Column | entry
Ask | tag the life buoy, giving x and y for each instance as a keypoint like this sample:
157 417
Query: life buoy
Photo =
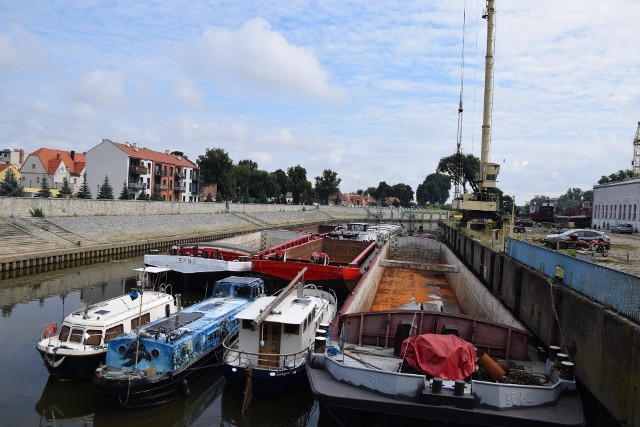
50 330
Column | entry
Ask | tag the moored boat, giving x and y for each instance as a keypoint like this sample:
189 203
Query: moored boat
365 374
363 377
268 353
158 362
213 257
80 345
335 264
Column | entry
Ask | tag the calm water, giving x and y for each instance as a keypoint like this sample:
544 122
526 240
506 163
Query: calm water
28 397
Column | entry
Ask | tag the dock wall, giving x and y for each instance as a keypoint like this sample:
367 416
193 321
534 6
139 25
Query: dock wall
604 345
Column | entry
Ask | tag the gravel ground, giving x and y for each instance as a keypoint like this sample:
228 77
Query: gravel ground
623 256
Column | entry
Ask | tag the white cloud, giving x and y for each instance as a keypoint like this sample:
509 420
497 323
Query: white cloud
188 93
259 56
100 88
21 50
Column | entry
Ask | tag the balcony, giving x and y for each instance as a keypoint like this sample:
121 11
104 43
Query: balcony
161 187
137 170
135 186
180 188
180 175
160 172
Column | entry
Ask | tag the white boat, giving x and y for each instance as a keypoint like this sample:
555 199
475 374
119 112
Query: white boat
76 349
274 336
203 258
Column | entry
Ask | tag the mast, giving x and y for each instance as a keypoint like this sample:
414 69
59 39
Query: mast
488 171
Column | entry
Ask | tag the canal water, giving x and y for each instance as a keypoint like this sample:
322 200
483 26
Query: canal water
29 397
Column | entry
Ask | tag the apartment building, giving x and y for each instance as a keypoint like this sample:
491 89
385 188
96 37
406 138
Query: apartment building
175 177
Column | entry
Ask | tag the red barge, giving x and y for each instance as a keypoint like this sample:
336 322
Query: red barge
337 264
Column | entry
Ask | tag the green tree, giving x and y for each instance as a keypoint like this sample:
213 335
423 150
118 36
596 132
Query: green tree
434 189
156 196
65 190
282 179
216 167
10 186
143 194
44 191
106 191
449 166
404 193
84 192
125 194
327 184
299 185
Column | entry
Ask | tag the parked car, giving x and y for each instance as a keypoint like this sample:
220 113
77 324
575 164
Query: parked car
570 238
623 229
525 223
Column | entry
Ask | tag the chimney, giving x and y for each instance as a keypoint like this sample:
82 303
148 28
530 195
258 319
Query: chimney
73 155
58 156
166 151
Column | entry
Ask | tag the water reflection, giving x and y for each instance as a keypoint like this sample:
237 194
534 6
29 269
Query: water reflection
268 410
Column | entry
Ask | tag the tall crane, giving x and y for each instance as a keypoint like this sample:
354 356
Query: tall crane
481 206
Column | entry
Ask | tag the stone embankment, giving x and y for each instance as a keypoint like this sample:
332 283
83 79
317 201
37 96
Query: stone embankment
74 229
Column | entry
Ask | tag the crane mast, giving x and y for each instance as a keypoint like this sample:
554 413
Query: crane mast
482 205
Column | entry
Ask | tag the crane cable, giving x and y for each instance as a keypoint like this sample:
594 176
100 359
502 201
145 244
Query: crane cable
459 175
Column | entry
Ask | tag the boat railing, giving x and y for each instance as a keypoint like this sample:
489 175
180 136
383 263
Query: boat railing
267 361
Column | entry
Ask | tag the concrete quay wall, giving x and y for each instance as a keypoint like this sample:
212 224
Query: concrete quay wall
604 346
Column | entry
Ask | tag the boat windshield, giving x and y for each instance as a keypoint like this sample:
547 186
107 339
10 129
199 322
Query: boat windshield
222 290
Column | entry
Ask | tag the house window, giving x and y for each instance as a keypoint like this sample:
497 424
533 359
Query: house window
33 166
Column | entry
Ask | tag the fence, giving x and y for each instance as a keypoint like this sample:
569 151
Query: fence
615 289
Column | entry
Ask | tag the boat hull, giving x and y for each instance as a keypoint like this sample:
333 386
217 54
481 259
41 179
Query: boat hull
350 405
71 367
143 391
266 381
190 264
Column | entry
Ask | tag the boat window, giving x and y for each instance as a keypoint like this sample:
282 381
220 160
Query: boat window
113 332
76 335
306 322
93 337
221 290
246 324
243 291
146 318
64 333
291 329
216 334
209 338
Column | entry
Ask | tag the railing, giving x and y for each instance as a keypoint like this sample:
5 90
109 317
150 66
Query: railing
179 188
613 288
272 362
180 175
160 172
161 186
135 186
138 170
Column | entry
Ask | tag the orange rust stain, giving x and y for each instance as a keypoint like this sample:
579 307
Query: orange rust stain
401 287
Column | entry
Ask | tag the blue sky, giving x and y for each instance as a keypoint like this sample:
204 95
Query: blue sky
367 89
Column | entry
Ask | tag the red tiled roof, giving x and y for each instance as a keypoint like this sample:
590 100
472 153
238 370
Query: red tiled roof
155 156
4 166
51 160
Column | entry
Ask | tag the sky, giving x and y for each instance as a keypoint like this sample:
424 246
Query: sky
367 89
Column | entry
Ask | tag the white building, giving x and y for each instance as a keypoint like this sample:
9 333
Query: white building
55 165
142 170
616 203
14 156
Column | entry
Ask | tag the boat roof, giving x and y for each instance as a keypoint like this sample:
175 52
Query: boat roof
291 310
152 269
240 280
119 307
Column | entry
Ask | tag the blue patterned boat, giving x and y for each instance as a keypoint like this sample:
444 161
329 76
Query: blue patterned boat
158 362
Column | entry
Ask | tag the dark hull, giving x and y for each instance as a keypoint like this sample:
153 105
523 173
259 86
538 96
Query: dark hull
352 406
72 367
263 383
155 390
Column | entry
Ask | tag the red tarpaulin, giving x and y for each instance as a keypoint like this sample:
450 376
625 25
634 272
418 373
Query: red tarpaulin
444 356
